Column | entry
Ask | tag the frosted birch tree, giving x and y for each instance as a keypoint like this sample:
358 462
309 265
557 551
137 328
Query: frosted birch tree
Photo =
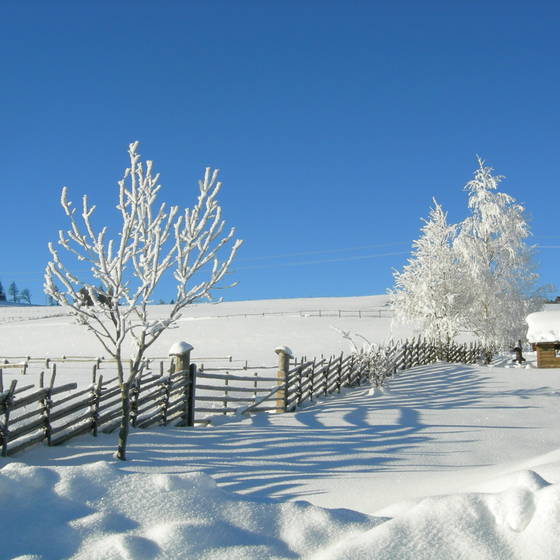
498 267
428 291
154 239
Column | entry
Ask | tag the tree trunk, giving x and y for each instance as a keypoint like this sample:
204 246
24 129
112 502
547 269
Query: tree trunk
125 420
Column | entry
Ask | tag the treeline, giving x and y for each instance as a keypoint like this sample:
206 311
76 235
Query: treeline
14 294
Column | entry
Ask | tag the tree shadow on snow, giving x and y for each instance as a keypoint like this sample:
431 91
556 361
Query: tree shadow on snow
352 433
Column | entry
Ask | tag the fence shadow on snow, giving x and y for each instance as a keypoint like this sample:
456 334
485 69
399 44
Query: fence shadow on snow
186 395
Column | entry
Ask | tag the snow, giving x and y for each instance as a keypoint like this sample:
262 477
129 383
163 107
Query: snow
448 461
179 348
284 350
544 326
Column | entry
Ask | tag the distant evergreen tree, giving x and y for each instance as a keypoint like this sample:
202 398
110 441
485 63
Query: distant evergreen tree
2 293
25 295
13 291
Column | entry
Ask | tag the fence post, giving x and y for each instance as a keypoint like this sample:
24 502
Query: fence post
300 383
96 398
226 392
134 396
339 374
46 404
284 355
180 354
312 381
326 373
4 426
188 414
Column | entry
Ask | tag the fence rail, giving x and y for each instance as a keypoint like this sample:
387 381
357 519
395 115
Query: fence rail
340 313
189 396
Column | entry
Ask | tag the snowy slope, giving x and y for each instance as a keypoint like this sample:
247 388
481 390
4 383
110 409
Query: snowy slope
450 461
220 330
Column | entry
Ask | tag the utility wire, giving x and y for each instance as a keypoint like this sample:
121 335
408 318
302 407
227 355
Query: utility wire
323 252
321 261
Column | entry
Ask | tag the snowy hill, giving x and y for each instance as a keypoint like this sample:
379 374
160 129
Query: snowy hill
245 330
449 461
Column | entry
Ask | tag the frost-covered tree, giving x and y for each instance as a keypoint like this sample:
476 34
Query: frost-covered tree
497 262
428 291
25 296
153 239
2 293
13 291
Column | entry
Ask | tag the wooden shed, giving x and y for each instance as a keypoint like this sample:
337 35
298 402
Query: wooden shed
544 335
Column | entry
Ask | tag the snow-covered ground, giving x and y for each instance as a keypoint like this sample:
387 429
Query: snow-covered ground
213 330
450 461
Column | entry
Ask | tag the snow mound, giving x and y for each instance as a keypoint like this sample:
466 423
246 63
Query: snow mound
98 512
517 523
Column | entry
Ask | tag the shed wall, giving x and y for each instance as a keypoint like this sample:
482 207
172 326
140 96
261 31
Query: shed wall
546 355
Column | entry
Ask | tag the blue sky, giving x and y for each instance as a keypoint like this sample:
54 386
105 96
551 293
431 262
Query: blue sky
333 124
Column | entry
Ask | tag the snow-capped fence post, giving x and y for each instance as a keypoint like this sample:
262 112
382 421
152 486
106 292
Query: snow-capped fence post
284 356
180 354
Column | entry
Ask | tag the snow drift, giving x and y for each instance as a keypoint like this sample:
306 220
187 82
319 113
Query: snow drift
97 512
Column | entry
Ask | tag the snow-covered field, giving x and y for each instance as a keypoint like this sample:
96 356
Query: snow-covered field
450 461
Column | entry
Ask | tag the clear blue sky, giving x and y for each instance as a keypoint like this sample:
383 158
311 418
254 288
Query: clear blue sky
333 123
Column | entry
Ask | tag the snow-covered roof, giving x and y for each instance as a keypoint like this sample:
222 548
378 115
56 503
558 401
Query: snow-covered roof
544 326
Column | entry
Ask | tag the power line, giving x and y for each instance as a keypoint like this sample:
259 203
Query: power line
322 261
324 251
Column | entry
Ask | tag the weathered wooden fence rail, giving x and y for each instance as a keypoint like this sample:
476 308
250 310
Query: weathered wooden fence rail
189 396
310 379
340 313
29 415
24 363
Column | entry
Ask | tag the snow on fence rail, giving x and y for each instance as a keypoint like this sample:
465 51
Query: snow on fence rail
192 395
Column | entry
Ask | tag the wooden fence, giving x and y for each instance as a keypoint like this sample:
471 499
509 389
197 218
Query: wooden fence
189 396
314 378
29 415
26 363
378 313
